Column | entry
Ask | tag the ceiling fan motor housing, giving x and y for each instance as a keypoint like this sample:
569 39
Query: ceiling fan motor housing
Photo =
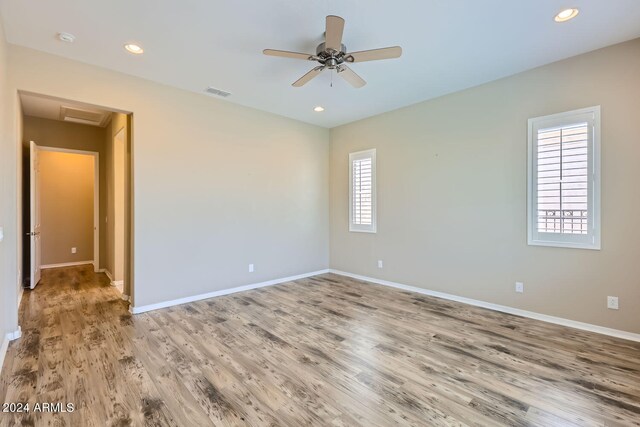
329 57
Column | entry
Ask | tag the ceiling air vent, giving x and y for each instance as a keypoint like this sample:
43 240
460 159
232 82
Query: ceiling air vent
217 92
85 117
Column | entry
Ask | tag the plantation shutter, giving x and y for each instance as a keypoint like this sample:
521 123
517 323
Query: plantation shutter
564 179
362 191
361 183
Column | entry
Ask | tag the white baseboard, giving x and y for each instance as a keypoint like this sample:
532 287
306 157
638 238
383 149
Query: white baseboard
5 344
150 307
66 264
502 308
119 284
15 335
3 349
105 271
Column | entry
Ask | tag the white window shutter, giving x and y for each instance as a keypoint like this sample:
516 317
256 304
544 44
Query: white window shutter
362 191
564 179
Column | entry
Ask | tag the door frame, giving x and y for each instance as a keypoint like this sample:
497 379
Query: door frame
35 243
96 197
119 142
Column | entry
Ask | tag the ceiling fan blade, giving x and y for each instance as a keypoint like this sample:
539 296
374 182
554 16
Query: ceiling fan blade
374 54
350 76
333 34
307 77
287 54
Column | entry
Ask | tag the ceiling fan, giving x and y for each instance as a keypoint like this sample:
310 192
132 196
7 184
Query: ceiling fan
332 54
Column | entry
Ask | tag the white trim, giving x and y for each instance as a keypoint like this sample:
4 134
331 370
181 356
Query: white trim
119 285
359 228
96 197
5 344
66 264
3 350
164 304
67 150
592 240
502 308
11 336
105 271
20 292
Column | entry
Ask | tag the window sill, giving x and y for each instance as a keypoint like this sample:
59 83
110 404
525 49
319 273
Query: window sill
571 245
352 230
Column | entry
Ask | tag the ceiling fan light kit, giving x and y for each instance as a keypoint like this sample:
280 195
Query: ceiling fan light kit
332 55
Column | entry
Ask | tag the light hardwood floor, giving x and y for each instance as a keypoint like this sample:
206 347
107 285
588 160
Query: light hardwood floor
327 350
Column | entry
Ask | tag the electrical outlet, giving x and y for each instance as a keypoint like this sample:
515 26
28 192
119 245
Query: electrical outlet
379 263
74 250
612 303
519 287
250 268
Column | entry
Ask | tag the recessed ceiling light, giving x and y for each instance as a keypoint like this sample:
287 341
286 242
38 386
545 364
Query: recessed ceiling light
134 48
566 15
66 37
318 109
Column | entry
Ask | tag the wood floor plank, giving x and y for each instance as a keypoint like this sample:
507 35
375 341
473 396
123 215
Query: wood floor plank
325 350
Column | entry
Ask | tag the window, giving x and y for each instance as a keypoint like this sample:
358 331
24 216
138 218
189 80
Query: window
362 191
564 180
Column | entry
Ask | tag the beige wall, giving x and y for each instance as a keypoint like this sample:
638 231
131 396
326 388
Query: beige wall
8 215
452 193
66 206
57 134
216 186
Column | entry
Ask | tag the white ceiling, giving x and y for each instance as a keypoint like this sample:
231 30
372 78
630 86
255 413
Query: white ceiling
50 108
448 45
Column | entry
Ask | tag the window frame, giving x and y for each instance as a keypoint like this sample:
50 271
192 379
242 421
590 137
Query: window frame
591 240
360 228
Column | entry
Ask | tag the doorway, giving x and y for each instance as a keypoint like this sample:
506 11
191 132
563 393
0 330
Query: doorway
63 206
74 131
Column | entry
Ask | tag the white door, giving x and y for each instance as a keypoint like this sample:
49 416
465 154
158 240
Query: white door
36 249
